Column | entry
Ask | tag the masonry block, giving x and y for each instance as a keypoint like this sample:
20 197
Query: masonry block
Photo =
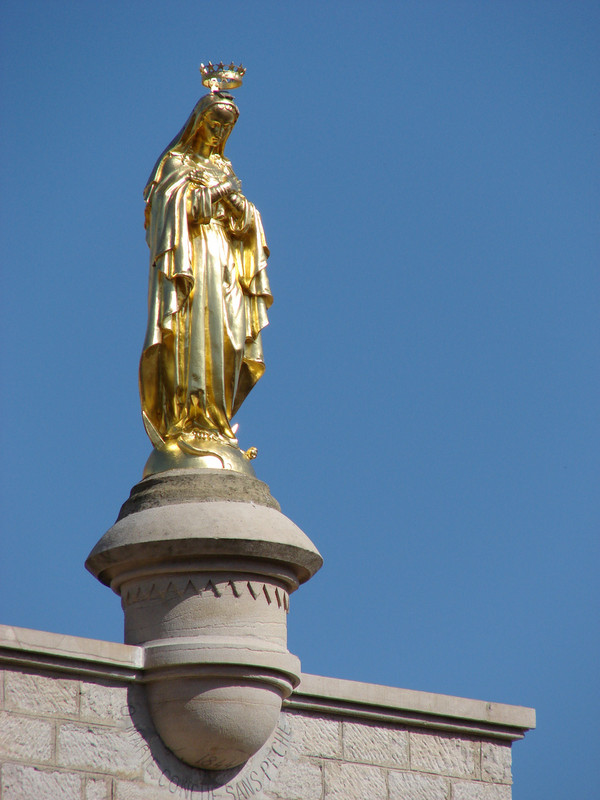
127 790
370 743
412 786
463 790
316 736
354 782
26 738
97 749
30 783
496 762
444 755
44 695
295 780
101 703
98 789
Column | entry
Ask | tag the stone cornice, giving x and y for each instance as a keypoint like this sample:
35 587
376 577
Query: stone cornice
33 649
40 650
344 698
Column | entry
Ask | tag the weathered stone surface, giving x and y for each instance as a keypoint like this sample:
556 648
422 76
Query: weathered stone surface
30 783
100 703
126 790
444 755
412 786
98 789
41 694
354 782
295 780
472 790
25 738
496 762
98 749
1 688
196 486
374 744
316 736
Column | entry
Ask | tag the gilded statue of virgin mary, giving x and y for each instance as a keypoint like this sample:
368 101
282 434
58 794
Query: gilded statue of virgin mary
208 295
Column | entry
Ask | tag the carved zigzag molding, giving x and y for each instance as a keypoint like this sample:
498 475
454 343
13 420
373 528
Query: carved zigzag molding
189 587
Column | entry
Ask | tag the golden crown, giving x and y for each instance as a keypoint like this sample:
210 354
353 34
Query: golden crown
220 76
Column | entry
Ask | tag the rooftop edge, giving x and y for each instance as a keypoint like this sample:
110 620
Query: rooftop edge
32 649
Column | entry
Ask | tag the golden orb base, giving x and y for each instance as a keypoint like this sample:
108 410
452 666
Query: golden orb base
203 454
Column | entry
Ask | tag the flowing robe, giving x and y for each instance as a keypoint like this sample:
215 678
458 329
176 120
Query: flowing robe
207 303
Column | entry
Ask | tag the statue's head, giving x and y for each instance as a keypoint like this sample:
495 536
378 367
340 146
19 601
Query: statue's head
211 121
213 117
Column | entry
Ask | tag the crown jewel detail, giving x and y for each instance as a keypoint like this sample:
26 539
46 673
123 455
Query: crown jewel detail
221 76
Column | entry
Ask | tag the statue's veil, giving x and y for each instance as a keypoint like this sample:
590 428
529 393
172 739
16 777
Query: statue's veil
186 133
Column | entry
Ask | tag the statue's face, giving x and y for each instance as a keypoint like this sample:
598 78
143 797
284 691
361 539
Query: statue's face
215 125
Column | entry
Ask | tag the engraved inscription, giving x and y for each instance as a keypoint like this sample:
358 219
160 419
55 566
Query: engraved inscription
187 783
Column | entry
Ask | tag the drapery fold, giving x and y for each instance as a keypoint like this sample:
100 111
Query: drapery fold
208 300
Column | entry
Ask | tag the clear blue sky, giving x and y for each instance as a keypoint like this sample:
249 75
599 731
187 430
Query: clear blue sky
427 173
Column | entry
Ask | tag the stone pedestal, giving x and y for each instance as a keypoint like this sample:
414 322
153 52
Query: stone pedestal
204 562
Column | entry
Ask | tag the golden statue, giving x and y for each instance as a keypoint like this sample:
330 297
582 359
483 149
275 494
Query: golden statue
208 291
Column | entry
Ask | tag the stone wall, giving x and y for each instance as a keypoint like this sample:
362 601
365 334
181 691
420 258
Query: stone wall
74 726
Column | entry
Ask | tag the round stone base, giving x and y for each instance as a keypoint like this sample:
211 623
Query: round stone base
219 719
204 563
